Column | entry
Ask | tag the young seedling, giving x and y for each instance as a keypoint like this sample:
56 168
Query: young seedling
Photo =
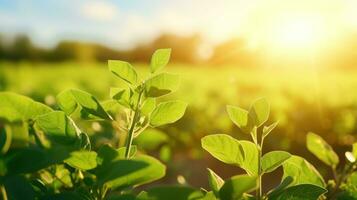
58 156
248 156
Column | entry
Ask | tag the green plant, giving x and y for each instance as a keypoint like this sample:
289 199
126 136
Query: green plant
46 155
344 183
300 179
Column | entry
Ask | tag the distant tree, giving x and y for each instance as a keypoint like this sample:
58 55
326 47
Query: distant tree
233 51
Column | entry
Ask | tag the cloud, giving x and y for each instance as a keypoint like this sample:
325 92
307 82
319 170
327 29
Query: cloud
99 10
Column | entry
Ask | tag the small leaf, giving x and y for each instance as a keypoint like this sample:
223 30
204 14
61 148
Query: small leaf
123 70
235 187
167 113
321 149
121 95
273 160
241 118
161 84
268 129
215 182
171 193
159 59
300 192
302 172
259 111
69 100
83 160
224 148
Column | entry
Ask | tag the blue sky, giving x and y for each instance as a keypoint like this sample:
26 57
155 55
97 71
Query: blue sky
124 23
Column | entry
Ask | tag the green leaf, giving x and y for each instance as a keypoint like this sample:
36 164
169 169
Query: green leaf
121 95
250 163
268 129
5 140
159 59
259 111
57 127
354 150
224 148
215 182
15 108
235 187
148 106
300 192
171 193
321 149
83 160
123 70
134 172
167 113
302 172
150 139
161 84
69 100
241 118
273 160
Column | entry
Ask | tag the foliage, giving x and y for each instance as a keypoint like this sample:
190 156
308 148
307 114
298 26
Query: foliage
46 155
300 179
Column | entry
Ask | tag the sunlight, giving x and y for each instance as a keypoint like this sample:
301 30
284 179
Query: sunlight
296 33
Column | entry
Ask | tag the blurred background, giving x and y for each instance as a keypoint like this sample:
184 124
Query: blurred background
301 55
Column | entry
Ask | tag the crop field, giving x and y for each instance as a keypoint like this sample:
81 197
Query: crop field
178 100
300 101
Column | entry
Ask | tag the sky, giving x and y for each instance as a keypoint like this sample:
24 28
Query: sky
125 23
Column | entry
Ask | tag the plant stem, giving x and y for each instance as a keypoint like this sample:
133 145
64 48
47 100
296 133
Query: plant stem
259 179
130 137
3 193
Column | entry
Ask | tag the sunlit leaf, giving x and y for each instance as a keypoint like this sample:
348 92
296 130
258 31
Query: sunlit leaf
159 59
321 149
274 159
302 172
259 111
162 84
14 107
83 160
123 70
241 118
268 129
69 100
224 148
215 182
167 113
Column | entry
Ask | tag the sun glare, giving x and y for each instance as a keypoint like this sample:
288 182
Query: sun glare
296 33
